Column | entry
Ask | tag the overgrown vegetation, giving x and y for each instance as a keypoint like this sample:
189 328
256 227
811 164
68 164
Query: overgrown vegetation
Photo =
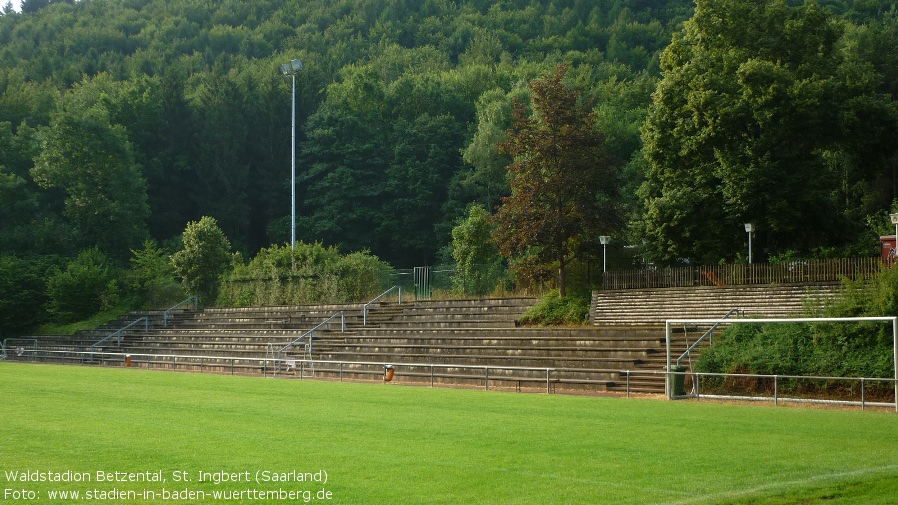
819 349
310 273
121 122
555 310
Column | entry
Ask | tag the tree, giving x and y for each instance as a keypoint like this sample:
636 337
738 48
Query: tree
478 264
562 179
91 159
152 277
206 255
752 122
83 288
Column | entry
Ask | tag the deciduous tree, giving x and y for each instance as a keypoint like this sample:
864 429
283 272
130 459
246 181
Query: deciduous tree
562 179
205 256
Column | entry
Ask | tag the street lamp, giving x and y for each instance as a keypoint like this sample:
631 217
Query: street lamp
291 69
749 228
604 240
894 218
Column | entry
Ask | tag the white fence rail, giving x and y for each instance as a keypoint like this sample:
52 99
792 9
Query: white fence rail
860 391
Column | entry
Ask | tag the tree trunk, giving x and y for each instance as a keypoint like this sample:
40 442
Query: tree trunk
562 286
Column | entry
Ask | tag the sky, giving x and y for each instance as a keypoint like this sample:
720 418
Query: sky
16 4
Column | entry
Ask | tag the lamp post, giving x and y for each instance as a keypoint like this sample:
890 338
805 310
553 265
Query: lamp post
894 218
749 228
291 69
604 240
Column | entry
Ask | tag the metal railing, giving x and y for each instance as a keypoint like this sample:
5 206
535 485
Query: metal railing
773 391
385 293
118 333
167 313
707 334
310 334
547 379
812 271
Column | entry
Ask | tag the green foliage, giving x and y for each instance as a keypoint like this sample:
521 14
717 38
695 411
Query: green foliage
23 296
151 278
205 256
760 118
92 322
832 349
386 102
91 159
478 266
309 273
84 287
563 182
555 310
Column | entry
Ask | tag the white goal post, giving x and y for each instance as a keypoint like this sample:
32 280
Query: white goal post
670 322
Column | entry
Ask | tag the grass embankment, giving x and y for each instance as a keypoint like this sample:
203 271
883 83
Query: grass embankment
387 444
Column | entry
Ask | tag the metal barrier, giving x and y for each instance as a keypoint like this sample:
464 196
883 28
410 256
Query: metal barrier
385 293
17 350
118 333
707 334
774 391
310 333
545 379
167 313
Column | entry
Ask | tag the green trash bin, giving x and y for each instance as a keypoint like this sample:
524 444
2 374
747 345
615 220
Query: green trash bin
678 381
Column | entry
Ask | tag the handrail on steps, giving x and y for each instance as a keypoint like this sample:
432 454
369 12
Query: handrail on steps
309 333
118 333
707 334
385 293
196 305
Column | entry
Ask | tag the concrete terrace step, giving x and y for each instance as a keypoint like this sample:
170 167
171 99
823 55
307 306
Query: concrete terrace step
641 306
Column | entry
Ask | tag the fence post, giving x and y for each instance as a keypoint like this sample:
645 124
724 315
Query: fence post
862 394
775 390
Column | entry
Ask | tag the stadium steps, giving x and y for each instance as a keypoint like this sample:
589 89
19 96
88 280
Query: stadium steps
655 306
627 334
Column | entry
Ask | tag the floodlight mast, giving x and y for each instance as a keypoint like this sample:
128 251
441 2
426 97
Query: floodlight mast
291 69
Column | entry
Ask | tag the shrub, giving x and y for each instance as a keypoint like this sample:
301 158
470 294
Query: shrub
81 289
553 310
309 273
830 349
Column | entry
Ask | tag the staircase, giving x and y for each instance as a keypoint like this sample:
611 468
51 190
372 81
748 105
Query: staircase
623 350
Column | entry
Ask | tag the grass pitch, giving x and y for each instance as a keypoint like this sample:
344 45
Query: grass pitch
387 444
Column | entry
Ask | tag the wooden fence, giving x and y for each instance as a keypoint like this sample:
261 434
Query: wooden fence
815 271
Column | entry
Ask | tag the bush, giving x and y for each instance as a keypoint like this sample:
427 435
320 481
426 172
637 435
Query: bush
830 349
23 296
151 278
86 286
310 273
553 310
206 255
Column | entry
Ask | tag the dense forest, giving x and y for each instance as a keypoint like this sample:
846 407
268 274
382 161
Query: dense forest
123 120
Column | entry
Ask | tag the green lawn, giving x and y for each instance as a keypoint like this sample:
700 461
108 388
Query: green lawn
388 444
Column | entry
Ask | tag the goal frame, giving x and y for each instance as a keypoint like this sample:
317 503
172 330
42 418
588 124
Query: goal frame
668 324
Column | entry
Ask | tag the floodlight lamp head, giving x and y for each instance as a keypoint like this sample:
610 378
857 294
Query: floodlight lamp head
749 227
291 68
604 239
894 218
